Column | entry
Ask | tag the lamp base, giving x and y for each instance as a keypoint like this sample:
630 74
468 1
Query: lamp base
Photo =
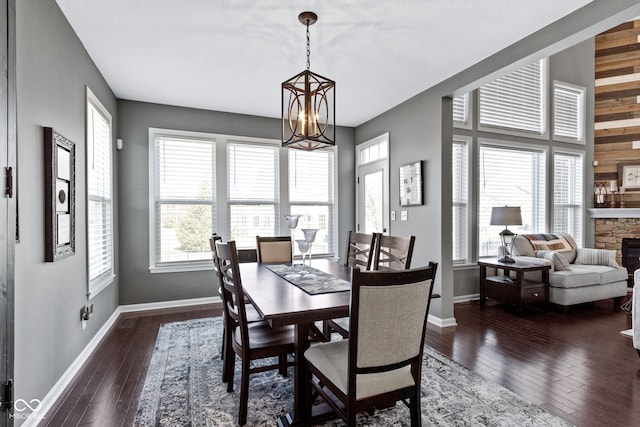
507 259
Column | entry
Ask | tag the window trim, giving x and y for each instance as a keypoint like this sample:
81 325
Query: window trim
178 266
468 140
581 107
97 285
544 71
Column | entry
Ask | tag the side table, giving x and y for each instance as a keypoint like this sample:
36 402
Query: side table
511 286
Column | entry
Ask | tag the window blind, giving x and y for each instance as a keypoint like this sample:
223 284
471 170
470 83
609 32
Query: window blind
184 192
252 182
99 195
568 112
460 108
311 195
515 101
510 176
568 194
460 199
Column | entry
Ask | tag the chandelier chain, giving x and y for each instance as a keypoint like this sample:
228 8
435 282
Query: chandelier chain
308 48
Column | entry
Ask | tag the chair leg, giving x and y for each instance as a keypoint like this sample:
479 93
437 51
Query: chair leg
228 353
282 361
326 329
244 392
414 410
229 364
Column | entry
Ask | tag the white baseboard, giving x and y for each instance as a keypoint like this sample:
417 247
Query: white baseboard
442 323
49 400
466 298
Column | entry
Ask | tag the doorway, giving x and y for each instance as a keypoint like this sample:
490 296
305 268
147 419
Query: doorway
372 185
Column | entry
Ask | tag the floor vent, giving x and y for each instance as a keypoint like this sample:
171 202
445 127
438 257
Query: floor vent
127 323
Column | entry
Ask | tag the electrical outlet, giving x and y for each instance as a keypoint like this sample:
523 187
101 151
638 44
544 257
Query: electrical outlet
84 324
393 215
403 215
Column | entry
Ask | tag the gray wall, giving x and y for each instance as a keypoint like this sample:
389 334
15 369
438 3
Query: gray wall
420 128
138 285
574 65
53 69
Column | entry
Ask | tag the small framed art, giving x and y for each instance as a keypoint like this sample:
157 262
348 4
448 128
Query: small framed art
411 184
629 176
59 192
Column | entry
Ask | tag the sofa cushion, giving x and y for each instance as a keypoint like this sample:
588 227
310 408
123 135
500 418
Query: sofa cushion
560 263
530 244
588 256
586 275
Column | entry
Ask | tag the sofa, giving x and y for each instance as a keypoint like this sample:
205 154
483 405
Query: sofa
577 275
635 311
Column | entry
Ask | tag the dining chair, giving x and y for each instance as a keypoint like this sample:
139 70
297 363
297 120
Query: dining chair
251 312
274 250
360 253
381 362
360 250
393 252
250 341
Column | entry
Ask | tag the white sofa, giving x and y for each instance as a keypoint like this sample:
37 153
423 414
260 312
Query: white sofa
635 311
577 275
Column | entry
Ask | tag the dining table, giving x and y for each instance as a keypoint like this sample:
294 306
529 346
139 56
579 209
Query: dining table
281 303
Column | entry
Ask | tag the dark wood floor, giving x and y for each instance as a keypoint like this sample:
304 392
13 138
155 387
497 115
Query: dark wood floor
575 365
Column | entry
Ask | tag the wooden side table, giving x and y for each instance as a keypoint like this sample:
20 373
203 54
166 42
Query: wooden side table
511 286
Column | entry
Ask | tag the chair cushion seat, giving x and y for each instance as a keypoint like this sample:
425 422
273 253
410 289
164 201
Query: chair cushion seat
587 275
332 360
342 323
262 335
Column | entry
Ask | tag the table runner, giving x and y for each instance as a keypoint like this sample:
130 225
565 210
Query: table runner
309 279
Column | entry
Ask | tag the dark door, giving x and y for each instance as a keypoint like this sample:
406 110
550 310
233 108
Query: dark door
7 204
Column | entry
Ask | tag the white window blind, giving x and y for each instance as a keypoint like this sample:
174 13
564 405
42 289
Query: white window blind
511 176
568 194
460 199
311 195
568 112
99 195
516 101
184 199
461 109
252 192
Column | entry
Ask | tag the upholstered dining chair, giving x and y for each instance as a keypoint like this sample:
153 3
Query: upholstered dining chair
251 313
250 341
393 252
381 361
274 250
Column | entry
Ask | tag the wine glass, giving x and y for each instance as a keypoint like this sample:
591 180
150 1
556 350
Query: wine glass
304 247
310 236
292 223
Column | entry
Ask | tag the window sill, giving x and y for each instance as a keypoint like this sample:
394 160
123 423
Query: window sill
100 284
180 268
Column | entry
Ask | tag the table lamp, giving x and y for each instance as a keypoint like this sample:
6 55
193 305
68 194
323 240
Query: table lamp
506 215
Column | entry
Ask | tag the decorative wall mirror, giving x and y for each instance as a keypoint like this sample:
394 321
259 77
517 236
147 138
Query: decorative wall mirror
60 182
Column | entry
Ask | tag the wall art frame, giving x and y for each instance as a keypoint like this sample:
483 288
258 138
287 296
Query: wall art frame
60 190
411 184
629 176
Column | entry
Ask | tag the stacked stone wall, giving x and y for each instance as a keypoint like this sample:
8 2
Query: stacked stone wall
611 231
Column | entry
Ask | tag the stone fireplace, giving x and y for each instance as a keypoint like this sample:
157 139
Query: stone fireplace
615 225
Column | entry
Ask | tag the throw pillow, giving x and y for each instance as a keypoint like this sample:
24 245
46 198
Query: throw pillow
588 256
560 263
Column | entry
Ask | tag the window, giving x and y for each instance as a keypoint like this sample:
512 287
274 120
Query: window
184 203
99 195
253 192
568 112
311 192
460 198
568 194
516 101
461 111
513 176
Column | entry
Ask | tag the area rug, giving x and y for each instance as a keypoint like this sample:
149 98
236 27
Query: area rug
184 388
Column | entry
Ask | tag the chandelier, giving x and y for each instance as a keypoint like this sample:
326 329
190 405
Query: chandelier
308 105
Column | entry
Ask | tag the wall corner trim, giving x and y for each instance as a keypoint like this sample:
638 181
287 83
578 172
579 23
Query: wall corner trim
442 323
56 391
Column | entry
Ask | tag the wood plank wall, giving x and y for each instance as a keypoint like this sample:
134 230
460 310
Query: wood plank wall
617 104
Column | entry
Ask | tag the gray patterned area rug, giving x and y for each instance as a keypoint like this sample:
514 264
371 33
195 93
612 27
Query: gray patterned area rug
184 388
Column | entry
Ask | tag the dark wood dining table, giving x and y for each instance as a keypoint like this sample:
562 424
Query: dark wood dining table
281 303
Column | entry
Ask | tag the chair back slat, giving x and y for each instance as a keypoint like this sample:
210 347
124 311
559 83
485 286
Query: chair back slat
229 270
360 250
274 249
393 252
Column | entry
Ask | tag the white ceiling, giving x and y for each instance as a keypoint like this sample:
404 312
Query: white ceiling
232 55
